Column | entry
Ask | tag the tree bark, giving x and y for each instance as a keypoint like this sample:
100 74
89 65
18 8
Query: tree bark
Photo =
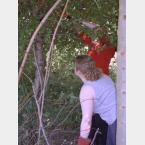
40 66
38 83
121 75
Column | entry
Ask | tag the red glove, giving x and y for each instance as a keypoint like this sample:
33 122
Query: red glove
83 141
86 39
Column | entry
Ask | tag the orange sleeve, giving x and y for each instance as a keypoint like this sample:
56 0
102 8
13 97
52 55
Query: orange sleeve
102 59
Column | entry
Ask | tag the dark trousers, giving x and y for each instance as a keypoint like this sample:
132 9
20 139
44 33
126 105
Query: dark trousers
111 134
101 136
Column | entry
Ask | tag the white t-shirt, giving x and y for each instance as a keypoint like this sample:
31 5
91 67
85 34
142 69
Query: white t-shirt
97 97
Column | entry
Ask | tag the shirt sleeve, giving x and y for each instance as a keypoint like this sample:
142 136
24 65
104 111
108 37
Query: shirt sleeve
86 101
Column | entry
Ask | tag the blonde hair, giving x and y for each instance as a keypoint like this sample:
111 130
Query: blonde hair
87 67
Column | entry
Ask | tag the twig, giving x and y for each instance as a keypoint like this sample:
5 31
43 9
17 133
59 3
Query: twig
97 131
23 104
58 115
64 119
24 101
33 37
97 4
68 114
39 112
30 80
40 119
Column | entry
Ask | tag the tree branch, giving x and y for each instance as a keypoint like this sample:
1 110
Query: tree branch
33 37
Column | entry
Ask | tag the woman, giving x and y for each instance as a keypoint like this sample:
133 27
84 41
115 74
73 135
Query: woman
98 104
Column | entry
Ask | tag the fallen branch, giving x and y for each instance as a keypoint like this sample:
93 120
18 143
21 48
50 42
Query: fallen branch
33 37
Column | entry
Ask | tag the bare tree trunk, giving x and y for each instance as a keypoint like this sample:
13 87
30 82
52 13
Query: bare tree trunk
40 66
38 83
121 75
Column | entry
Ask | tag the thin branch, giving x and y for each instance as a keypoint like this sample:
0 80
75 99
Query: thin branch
40 119
97 4
39 111
23 104
71 111
33 37
30 80
24 101
57 116
97 131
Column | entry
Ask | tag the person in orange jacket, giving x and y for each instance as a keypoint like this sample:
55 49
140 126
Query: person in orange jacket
101 51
